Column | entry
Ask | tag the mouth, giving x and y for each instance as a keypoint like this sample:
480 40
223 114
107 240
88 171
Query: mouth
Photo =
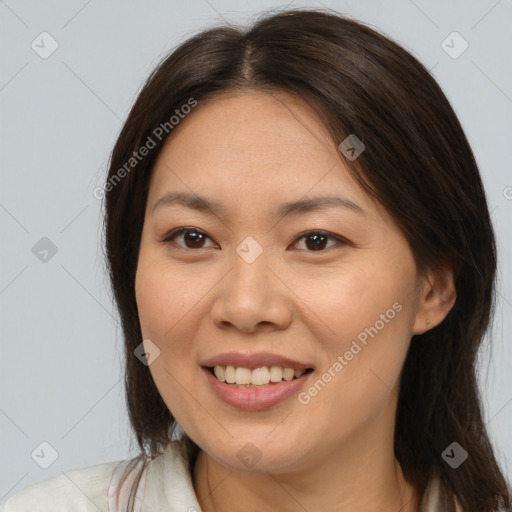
256 381
259 394
256 378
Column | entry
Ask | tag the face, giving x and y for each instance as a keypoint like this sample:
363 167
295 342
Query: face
332 291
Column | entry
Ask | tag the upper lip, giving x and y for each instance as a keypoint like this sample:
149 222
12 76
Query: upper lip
253 361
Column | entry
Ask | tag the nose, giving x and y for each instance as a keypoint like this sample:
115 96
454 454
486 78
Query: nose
253 296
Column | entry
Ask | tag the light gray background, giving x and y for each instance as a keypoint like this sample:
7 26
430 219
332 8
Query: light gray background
61 345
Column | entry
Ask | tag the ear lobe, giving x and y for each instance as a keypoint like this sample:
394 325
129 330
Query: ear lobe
437 298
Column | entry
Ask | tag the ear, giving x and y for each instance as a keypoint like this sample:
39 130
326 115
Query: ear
436 299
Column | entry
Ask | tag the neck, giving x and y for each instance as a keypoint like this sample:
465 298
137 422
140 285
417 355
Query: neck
369 481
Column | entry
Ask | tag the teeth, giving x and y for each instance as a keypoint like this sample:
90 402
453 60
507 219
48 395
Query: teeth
257 377
230 374
243 376
220 373
260 376
276 374
288 373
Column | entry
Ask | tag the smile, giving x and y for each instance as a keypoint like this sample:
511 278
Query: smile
258 377
244 394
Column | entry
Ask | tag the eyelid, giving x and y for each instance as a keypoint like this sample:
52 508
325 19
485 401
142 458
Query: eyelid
341 240
178 231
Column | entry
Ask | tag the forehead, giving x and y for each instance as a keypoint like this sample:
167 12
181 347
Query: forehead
236 126
268 147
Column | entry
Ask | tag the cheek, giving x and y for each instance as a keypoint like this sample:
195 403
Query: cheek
344 302
361 369
365 314
151 305
165 296
170 308
164 306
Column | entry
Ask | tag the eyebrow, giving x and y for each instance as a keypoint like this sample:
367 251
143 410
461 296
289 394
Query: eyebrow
302 206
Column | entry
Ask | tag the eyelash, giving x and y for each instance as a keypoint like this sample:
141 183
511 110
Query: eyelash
168 238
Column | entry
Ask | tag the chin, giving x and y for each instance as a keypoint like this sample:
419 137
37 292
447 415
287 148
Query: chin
255 454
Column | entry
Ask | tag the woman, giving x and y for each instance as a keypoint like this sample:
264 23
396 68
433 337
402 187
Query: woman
302 256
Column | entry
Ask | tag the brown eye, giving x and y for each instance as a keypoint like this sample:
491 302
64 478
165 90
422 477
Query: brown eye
192 238
315 241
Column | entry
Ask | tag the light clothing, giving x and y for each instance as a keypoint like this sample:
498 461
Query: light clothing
166 485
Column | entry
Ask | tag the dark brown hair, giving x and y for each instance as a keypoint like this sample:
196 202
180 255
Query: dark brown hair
417 163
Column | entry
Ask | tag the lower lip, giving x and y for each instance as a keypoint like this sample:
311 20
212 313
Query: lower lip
255 399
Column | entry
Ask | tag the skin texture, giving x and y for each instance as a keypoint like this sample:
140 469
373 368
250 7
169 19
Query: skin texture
252 151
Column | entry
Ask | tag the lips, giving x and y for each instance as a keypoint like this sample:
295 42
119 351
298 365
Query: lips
253 361
255 399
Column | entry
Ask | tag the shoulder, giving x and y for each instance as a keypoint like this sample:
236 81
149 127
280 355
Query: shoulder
81 490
